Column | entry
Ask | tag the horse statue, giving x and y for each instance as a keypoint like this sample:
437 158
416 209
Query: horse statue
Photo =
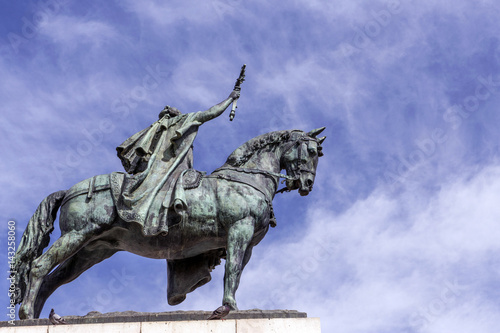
222 215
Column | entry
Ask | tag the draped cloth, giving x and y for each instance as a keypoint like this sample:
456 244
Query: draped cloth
153 158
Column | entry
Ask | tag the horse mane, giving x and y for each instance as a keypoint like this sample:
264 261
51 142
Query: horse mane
244 152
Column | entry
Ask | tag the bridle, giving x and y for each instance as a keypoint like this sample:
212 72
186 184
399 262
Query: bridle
297 168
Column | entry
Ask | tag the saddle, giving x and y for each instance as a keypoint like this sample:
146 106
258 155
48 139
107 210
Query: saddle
191 178
91 185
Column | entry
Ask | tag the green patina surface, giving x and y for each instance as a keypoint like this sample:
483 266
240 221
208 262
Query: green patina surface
161 208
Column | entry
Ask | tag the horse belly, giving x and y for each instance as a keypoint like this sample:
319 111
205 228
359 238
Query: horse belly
196 233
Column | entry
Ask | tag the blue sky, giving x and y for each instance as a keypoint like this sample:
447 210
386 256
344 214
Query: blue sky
401 232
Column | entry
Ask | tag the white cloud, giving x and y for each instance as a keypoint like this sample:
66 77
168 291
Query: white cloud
174 13
424 256
72 32
389 263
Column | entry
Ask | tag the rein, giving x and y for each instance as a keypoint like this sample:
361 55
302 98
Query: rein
296 171
252 171
256 171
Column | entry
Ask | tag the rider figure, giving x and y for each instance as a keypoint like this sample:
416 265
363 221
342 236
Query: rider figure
154 158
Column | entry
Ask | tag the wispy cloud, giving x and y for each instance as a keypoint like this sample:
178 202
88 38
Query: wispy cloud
173 14
399 233
72 32
399 263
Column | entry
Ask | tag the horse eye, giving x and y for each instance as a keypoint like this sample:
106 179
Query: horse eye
312 151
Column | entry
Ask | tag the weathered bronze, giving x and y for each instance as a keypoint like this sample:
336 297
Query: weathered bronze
162 208
237 87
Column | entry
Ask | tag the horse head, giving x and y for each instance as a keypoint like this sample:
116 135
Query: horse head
300 159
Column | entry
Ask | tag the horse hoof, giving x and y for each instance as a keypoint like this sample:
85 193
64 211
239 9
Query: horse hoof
23 313
232 305
175 300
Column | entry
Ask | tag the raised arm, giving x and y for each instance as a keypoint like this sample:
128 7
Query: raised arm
218 109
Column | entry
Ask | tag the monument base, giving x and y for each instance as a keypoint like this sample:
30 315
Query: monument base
250 321
275 325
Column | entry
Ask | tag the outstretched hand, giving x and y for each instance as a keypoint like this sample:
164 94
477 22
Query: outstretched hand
235 94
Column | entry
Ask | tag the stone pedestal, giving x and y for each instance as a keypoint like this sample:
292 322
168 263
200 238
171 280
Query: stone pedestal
251 321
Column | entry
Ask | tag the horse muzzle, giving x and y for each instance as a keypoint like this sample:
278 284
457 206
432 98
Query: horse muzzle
292 184
304 186
304 192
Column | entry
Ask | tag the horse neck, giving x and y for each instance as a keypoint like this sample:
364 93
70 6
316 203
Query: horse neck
265 159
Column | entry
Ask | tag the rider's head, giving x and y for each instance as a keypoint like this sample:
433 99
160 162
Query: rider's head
170 111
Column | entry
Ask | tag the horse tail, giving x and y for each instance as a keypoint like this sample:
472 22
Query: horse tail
35 238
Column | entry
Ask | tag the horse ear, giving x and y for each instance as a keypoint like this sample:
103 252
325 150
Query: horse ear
315 132
320 140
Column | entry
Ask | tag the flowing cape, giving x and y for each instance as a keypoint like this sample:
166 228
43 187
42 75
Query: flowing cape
153 158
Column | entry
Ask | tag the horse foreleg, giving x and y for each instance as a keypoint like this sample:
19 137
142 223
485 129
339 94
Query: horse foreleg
62 249
237 255
72 268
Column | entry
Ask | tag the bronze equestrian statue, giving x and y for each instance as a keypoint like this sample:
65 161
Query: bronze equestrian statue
162 208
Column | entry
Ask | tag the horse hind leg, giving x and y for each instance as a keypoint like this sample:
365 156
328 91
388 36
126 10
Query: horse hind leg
63 248
69 270
81 220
